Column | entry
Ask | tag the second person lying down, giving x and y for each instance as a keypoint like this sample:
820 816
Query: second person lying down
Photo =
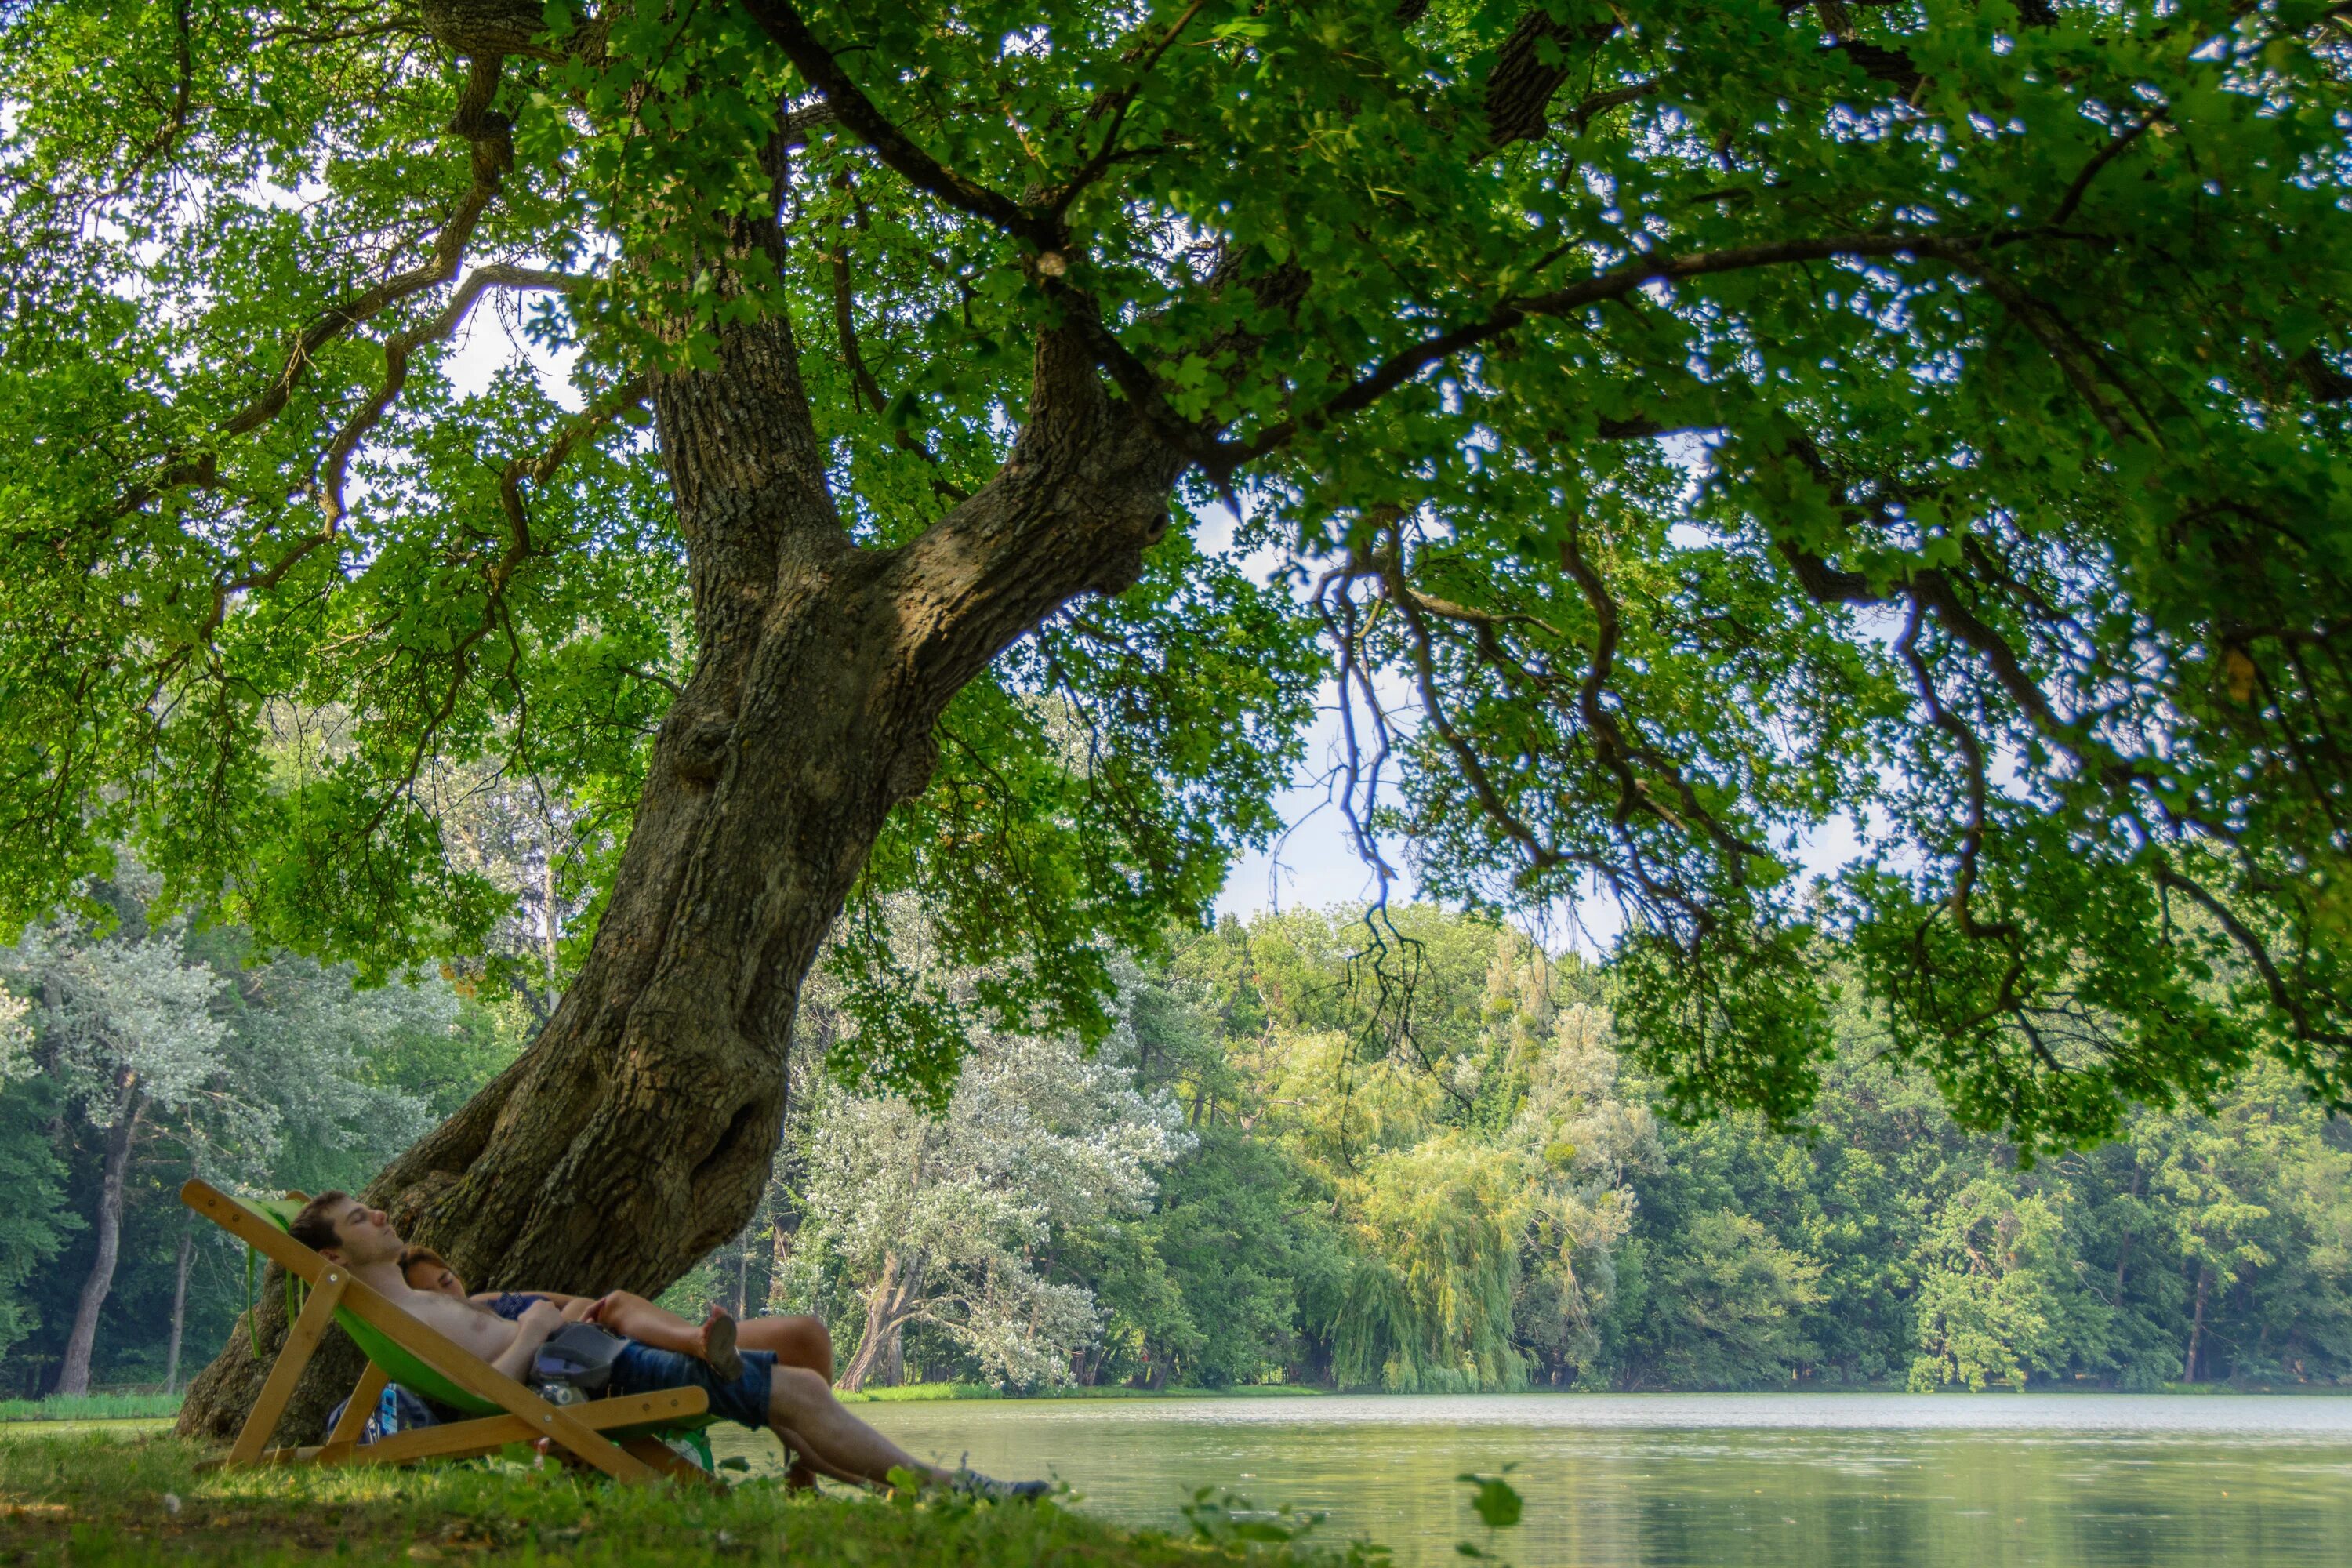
718 1339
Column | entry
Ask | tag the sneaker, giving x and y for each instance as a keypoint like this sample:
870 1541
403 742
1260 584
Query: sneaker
972 1483
718 1346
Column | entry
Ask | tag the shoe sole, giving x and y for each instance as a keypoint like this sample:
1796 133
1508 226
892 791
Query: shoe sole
718 1336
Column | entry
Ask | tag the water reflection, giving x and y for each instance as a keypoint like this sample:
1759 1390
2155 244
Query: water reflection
1616 1482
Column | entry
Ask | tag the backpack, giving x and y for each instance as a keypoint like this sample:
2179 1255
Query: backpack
396 1410
578 1357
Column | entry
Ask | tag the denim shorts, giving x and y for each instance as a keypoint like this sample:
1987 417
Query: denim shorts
641 1369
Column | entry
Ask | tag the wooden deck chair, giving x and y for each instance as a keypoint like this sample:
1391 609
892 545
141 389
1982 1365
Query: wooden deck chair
615 1434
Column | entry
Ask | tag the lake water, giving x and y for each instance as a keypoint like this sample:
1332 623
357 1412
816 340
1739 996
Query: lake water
1648 1481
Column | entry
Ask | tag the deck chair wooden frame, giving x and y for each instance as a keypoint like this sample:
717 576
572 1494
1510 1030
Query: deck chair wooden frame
613 1435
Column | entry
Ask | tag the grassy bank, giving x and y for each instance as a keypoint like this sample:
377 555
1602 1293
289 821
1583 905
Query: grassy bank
920 1392
164 1406
101 1501
94 1407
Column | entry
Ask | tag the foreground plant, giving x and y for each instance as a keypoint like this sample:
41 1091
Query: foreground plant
1720 420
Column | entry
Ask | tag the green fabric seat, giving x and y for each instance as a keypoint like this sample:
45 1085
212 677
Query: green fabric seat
402 1367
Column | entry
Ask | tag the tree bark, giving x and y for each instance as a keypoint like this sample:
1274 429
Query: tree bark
880 1358
178 1306
130 1105
635 1133
2196 1326
547 933
2123 1249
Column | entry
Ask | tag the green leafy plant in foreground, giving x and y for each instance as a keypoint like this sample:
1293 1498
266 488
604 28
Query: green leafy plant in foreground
1499 1506
1230 1521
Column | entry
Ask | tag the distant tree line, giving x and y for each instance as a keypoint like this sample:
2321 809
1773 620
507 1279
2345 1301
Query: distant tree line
1273 1169
1292 1184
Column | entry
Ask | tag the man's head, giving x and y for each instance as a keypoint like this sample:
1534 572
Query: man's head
341 1229
425 1269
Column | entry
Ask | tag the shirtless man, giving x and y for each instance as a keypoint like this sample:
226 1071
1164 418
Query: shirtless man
789 1401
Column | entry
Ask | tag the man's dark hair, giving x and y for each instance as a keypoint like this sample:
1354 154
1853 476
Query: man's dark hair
314 1227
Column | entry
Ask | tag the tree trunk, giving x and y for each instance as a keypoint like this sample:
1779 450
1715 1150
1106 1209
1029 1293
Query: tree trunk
880 1359
2196 1326
635 1132
178 1306
2123 1249
73 1372
547 934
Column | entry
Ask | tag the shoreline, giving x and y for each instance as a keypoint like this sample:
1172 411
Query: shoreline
26 1414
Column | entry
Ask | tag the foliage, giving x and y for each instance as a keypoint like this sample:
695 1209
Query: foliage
1939 1261
35 1221
1721 420
942 1222
1248 1185
1728 1304
278 1074
1992 1299
103 1499
1491 1203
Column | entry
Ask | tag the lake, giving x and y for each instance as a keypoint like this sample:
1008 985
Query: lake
1647 1481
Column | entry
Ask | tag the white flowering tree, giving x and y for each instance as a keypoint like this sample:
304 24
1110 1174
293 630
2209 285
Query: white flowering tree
156 1045
945 1220
128 1028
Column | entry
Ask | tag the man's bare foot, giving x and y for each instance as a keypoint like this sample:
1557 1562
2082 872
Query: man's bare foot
718 1345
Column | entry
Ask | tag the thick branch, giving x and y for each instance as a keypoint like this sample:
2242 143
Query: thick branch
1405 365
2281 995
1521 85
781 21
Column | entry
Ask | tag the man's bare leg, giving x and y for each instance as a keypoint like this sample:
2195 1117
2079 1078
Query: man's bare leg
809 1420
794 1341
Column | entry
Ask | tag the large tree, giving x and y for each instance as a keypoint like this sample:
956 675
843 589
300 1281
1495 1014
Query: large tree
1690 423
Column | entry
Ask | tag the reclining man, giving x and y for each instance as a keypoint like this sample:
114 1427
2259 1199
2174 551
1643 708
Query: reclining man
793 1401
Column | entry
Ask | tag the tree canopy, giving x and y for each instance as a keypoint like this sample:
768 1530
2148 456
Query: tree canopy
1684 430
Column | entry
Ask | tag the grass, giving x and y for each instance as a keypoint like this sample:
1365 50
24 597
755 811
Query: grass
107 1500
920 1392
94 1407
164 1406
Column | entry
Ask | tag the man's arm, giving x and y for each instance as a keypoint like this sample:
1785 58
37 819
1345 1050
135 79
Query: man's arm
485 1298
532 1330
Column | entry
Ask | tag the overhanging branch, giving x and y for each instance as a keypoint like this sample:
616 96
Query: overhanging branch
781 21
493 155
